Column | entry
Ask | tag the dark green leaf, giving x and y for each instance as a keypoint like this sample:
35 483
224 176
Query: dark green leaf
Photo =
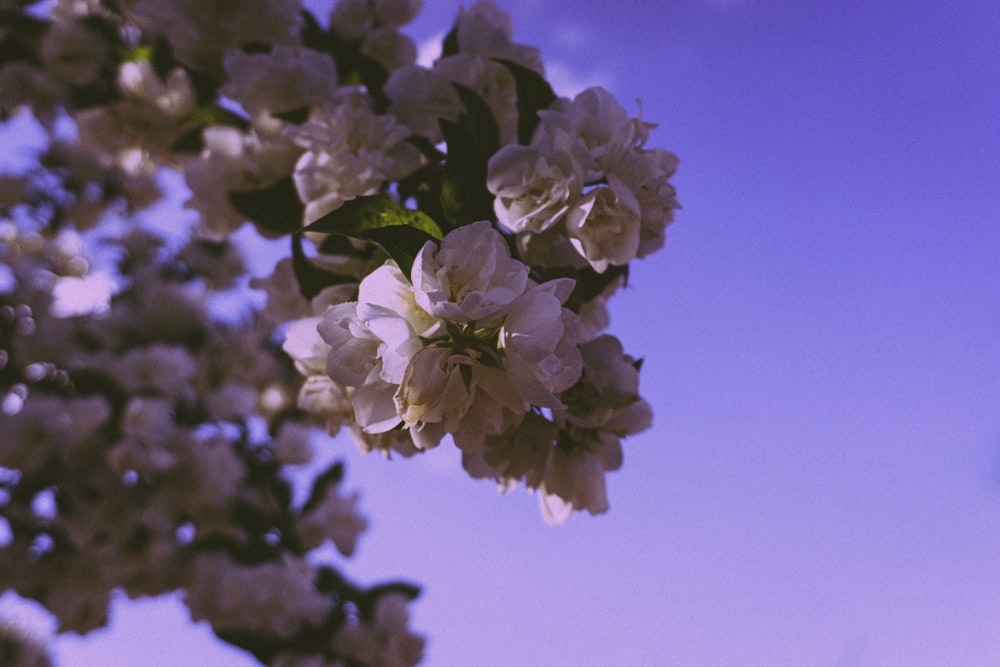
20 36
424 145
363 214
479 120
369 599
464 197
533 94
449 46
471 141
311 279
424 186
215 115
255 48
104 27
295 116
329 580
466 372
160 55
313 35
373 75
329 477
261 646
402 232
189 142
275 210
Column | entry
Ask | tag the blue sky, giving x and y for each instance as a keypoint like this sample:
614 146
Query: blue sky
820 487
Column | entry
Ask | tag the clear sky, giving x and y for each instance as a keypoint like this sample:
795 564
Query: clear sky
821 486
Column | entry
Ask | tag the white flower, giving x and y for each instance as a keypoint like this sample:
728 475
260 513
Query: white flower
420 97
200 33
305 346
140 129
89 295
608 395
335 518
287 78
350 151
390 48
471 277
605 225
233 160
433 389
73 54
573 481
166 369
292 445
600 123
352 19
519 453
387 640
485 30
465 348
491 81
273 599
370 347
647 173
534 188
539 339
602 408
322 397
174 96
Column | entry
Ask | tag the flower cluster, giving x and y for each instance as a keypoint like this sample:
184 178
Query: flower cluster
150 447
465 345
450 232
585 178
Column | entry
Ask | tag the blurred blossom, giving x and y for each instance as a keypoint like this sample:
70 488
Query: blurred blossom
90 295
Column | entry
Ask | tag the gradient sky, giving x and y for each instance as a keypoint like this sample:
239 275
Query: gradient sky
821 486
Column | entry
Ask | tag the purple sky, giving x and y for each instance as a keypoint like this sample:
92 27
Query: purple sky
822 344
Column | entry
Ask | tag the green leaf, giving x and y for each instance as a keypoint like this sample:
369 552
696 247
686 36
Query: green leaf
20 36
479 119
424 186
472 141
449 46
464 197
103 27
296 116
332 476
533 94
275 210
373 75
362 214
189 142
136 54
213 114
311 279
402 232
424 145
313 35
